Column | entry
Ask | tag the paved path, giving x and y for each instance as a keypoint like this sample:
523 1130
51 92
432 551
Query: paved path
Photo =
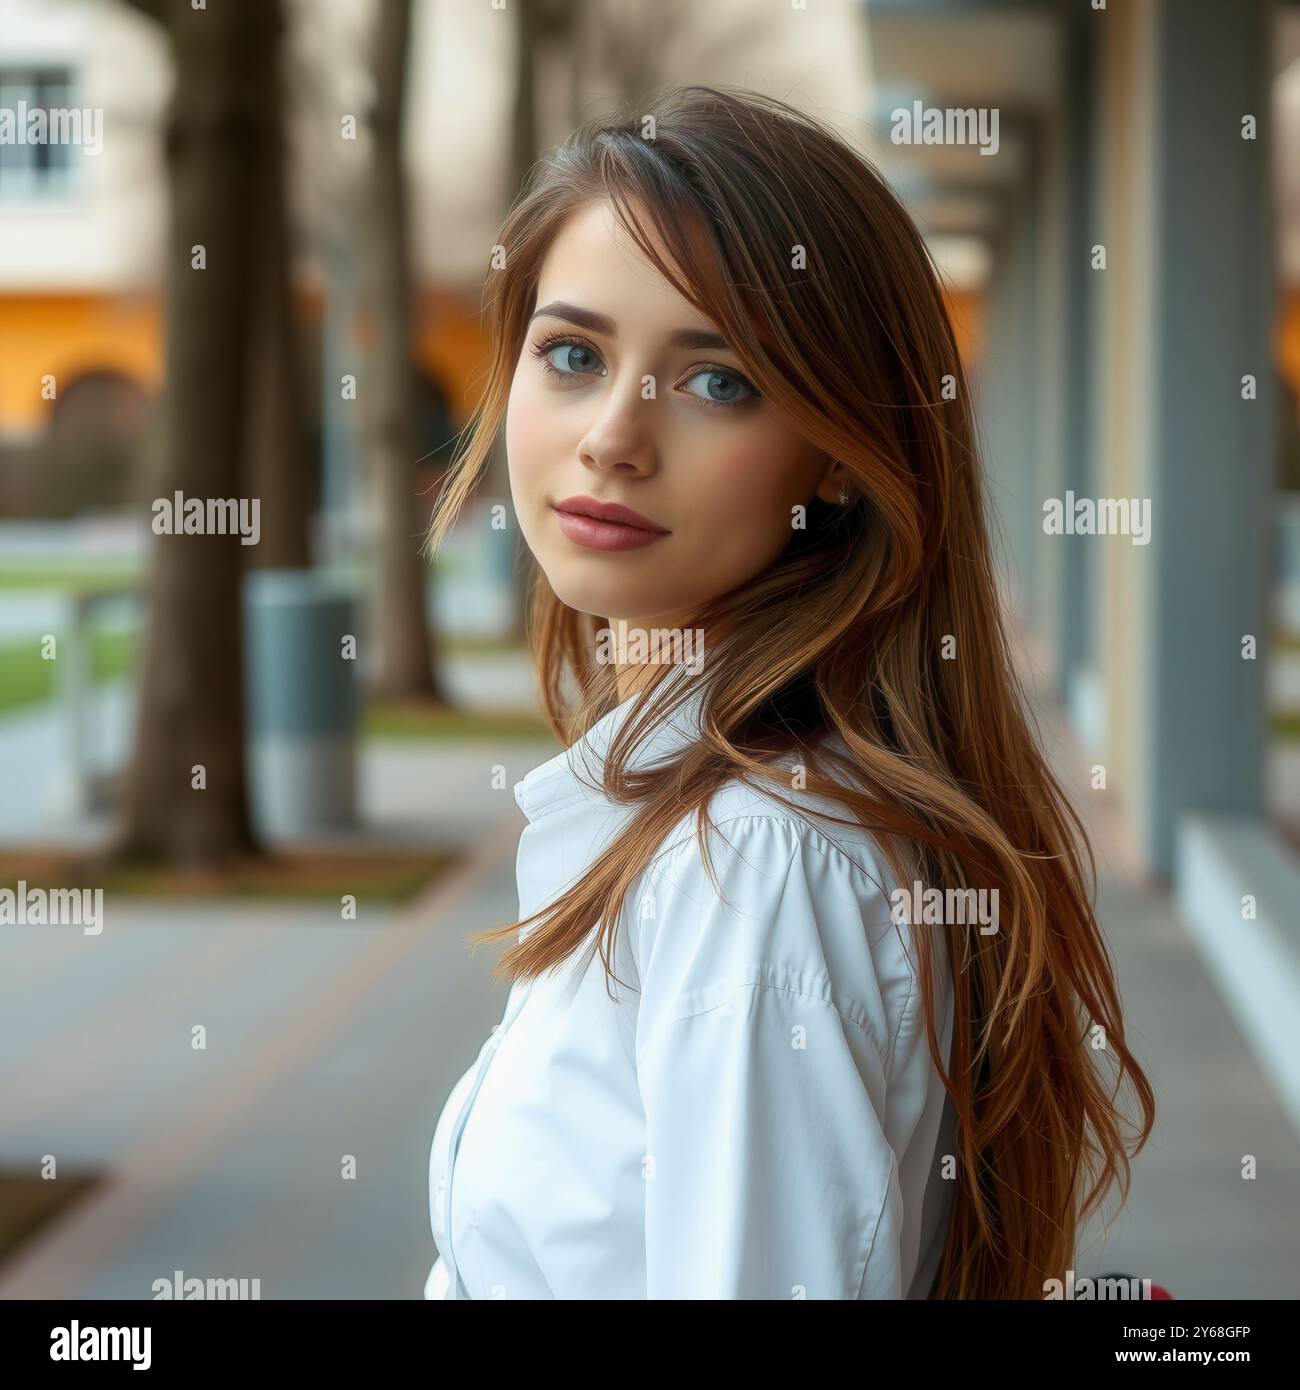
324 1039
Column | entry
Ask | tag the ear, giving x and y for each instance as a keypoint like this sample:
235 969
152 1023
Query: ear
834 480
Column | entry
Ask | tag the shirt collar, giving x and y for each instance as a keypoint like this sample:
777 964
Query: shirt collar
576 772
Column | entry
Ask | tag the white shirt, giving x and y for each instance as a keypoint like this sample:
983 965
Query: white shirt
762 1120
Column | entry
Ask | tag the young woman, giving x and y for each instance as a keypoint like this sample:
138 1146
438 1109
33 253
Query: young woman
808 995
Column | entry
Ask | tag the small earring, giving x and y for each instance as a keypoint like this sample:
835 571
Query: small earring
844 496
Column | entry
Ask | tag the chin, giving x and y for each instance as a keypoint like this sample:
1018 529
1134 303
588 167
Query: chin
604 601
599 603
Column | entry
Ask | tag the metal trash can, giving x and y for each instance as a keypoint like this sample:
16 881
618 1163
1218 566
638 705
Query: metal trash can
303 701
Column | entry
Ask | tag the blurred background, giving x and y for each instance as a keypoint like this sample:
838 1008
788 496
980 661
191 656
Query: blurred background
252 270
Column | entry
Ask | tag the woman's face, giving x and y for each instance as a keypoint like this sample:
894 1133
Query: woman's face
624 393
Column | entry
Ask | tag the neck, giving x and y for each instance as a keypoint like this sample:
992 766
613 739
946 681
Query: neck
641 649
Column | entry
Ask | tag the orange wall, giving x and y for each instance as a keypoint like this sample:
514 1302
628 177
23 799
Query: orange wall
68 334
1287 342
966 310
453 347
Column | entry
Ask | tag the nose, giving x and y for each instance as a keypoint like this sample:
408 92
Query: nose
621 437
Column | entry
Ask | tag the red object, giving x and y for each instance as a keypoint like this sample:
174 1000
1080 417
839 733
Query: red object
1158 1292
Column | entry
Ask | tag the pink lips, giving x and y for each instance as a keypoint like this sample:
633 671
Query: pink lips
605 525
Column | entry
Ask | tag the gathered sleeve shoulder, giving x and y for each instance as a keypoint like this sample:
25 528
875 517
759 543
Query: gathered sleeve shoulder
763 1043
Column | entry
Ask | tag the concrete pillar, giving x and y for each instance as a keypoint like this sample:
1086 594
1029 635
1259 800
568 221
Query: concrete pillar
1211 279
1008 403
1074 654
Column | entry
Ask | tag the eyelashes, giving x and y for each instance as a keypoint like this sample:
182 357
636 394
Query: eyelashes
543 348
542 351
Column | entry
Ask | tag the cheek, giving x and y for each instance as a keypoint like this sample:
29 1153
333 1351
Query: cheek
536 449
538 432
525 429
754 481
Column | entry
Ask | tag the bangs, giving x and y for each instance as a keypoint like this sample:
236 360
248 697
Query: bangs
660 211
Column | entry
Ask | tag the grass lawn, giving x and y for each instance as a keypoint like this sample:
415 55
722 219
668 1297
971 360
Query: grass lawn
326 875
26 678
472 644
70 579
395 720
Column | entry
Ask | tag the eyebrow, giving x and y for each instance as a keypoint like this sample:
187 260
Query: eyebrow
693 338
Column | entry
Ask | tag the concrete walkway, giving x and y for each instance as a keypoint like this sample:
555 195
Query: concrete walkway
325 1039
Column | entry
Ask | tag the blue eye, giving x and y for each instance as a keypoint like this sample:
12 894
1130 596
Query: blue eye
723 388
567 357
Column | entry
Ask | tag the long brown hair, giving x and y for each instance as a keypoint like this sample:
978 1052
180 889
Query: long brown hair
879 622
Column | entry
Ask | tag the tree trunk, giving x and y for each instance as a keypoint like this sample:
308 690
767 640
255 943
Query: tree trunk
274 455
405 668
529 34
191 709
542 27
